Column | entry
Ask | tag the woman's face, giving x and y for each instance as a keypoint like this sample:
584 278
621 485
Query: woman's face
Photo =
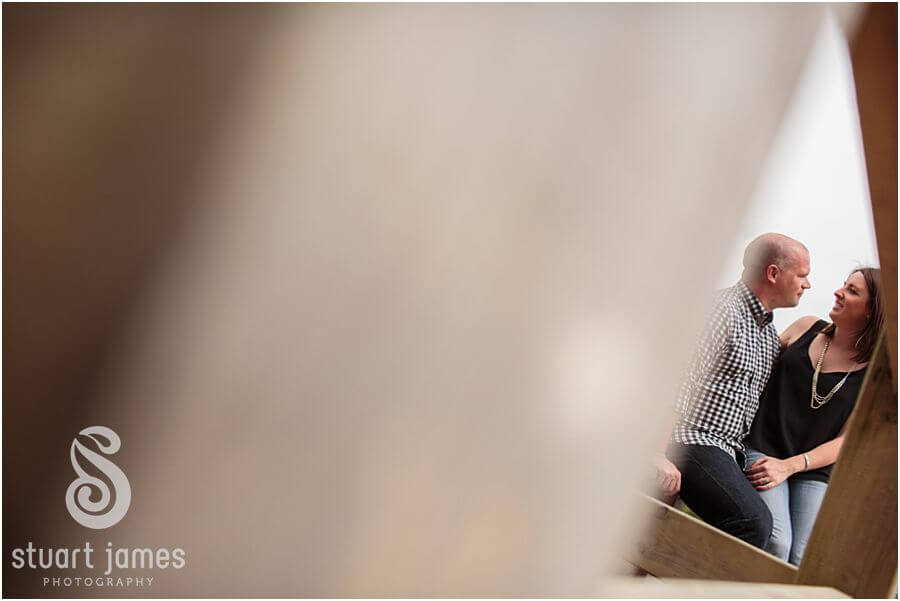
851 303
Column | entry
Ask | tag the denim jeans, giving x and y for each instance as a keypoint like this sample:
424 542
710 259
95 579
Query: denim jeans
794 505
714 486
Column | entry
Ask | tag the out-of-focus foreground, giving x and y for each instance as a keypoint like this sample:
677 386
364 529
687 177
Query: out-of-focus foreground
381 299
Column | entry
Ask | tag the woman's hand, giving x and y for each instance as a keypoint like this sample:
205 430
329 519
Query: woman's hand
769 472
667 475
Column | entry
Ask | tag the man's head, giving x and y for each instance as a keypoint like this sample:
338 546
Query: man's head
776 269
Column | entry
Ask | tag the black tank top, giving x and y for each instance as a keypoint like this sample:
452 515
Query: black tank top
786 424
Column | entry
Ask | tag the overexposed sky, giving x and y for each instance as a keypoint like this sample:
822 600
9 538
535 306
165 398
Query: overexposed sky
813 186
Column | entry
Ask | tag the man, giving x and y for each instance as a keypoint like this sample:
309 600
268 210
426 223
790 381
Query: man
705 457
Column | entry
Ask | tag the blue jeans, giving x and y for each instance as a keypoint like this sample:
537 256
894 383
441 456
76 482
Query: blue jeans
794 505
714 486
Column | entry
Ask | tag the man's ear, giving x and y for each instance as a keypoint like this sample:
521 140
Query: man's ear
772 273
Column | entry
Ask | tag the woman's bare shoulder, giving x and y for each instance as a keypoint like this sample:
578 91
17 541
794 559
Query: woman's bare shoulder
796 329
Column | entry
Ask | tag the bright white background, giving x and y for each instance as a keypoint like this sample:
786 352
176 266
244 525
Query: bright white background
813 186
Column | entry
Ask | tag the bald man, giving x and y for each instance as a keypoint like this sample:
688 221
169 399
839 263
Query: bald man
704 461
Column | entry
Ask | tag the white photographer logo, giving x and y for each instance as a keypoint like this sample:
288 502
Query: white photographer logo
106 511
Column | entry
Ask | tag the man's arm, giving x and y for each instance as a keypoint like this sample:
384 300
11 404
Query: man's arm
712 343
668 478
711 346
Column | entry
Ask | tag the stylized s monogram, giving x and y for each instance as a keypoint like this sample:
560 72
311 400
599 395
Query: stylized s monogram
104 512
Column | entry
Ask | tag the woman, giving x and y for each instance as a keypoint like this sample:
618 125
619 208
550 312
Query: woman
799 428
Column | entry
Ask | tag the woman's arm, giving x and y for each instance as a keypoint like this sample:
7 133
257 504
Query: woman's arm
825 454
769 472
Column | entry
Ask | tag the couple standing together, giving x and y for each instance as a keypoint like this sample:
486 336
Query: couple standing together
760 419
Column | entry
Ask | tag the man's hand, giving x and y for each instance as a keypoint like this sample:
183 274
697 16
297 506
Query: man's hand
667 475
769 472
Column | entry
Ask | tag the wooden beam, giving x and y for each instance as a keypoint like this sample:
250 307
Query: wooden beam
873 53
680 546
653 588
853 546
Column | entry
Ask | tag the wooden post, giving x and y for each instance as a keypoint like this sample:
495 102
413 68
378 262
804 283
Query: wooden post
853 546
854 543
873 53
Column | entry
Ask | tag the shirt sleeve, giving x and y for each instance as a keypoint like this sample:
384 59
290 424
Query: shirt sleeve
711 346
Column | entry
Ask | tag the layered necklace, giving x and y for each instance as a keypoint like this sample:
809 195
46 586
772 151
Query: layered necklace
817 400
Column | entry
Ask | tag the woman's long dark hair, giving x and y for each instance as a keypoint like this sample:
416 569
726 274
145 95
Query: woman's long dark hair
868 336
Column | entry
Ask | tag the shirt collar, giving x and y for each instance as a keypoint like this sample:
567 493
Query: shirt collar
757 310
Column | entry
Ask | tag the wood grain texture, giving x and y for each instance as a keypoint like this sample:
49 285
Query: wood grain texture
680 546
853 546
678 588
874 57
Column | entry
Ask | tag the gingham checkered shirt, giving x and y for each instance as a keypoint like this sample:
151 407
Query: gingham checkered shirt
732 363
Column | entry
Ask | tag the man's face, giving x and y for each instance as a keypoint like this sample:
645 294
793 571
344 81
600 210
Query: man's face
793 280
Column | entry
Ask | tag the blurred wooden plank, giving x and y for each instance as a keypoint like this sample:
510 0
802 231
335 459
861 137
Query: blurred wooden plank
853 546
653 588
678 545
873 53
